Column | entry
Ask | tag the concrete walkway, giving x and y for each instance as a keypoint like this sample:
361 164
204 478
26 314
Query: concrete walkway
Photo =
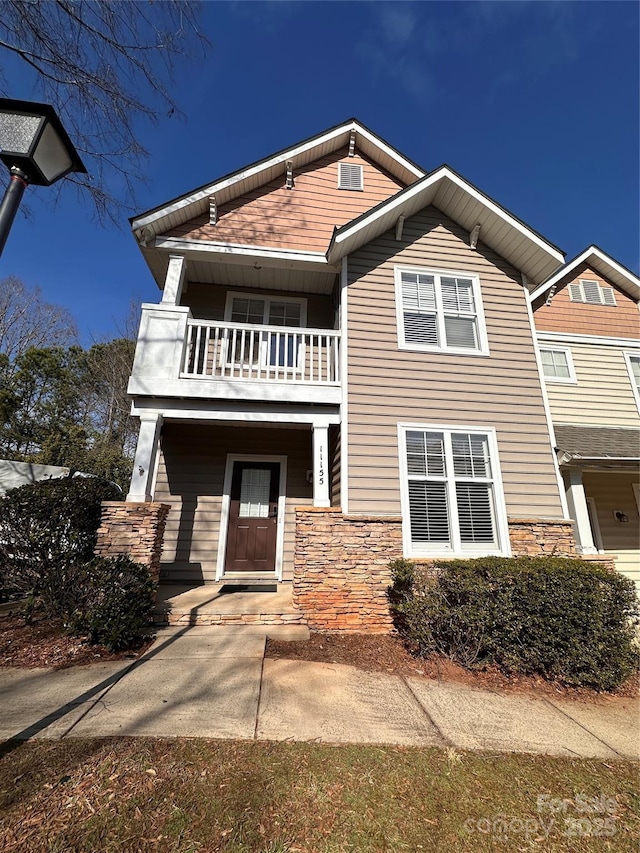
214 682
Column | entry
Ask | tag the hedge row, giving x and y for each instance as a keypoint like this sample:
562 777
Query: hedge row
560 618
48 534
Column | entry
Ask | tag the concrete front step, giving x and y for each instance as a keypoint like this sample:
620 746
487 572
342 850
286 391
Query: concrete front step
230 619
223 604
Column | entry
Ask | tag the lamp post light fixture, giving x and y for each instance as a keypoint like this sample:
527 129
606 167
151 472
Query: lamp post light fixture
34 146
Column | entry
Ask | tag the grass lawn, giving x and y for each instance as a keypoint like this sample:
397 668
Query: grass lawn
255 797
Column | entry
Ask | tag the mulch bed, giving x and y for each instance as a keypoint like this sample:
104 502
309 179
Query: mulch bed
386 653
44 643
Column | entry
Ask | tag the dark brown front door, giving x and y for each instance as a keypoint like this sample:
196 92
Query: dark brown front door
253 517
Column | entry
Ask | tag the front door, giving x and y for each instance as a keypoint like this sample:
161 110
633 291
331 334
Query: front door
253 517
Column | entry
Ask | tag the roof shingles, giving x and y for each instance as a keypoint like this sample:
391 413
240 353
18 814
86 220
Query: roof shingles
587 442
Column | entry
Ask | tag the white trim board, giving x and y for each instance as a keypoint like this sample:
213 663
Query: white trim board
241 412
193 248
344 378
547 412
566 337
224 510
188 388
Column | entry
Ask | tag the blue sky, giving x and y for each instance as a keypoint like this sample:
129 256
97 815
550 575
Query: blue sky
536 103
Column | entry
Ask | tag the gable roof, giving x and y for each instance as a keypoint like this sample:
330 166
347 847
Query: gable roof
179 210
601 263
461 201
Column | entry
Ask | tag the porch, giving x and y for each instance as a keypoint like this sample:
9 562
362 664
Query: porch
232 490
604 504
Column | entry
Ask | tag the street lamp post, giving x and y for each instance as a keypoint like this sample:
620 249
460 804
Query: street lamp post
34 146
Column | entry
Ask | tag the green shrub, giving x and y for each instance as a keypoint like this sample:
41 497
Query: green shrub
560 618
46 528
113 599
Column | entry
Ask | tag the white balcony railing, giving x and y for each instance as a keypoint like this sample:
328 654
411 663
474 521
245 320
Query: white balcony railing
270 353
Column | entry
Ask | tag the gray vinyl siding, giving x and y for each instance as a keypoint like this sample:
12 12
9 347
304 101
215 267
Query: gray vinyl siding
388 385
191 478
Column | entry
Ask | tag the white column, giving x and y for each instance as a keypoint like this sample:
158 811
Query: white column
321 465
145 460
578 510
174 280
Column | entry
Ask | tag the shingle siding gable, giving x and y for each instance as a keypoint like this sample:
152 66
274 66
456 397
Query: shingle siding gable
301 218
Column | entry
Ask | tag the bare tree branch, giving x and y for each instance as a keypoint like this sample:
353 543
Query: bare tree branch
104 66
27 321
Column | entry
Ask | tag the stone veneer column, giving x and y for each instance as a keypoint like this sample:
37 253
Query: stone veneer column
341 571
135 530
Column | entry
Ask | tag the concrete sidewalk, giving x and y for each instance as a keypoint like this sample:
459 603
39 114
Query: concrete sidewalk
214 682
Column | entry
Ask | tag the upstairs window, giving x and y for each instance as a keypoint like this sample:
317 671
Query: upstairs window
452 500
557 364
633 366
439 311
266 311
591 292
264 346
350 176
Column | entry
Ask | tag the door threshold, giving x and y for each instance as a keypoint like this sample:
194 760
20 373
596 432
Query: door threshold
249 580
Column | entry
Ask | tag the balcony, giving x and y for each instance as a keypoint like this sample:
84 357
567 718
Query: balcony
261 353
179 356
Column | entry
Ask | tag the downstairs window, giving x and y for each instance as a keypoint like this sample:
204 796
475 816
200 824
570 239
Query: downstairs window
451 492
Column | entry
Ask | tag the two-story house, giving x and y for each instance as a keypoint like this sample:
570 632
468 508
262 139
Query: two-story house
588 328
342 369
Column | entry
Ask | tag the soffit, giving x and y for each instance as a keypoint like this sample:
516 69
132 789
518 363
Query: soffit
255 272
462 202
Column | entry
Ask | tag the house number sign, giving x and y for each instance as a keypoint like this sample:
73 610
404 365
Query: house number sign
320 467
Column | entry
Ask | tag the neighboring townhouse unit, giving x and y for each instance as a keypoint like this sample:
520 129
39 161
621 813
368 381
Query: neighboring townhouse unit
588 328
342 370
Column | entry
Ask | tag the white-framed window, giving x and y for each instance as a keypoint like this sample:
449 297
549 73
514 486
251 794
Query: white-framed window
557 364
350 176
267 348
265 310
591 292
633 366
451 491
439 310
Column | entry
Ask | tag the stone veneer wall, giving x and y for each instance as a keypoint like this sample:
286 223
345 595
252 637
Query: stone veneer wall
534 537
341 570
135 530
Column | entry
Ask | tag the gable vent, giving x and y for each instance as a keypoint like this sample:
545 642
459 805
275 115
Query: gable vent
592 293
350 176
